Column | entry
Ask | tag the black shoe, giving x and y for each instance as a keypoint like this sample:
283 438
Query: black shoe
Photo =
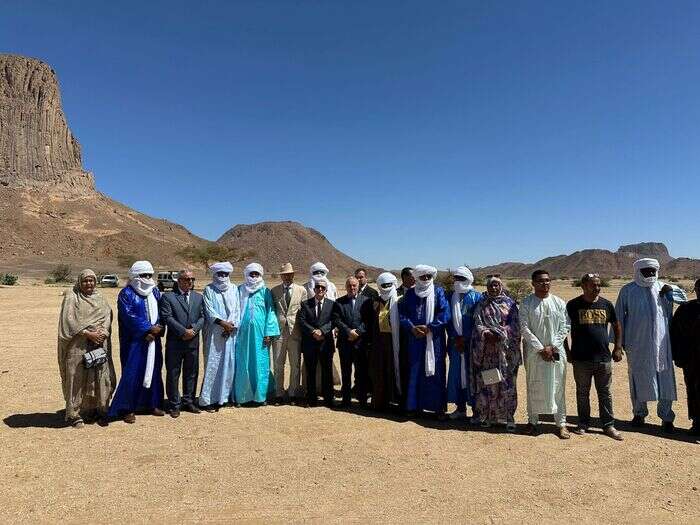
175 413
329 404
191 409
694 430
668 427
210 408
637 421
580 430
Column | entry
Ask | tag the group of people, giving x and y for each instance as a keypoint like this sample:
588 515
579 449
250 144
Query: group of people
411 346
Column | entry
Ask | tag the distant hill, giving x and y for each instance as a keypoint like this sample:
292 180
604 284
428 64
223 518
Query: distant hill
275 243
604 262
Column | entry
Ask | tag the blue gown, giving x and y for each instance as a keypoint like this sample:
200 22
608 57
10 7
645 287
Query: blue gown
425 393
134 324
253 378
455 392
219 351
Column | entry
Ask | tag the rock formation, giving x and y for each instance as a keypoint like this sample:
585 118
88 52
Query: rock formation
37 149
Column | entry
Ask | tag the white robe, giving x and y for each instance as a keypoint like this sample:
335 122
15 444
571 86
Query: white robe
544 322
646 340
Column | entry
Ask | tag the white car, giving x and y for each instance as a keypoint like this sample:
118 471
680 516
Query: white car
110 280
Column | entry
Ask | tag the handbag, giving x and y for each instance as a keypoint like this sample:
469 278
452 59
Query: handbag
491 376
95 358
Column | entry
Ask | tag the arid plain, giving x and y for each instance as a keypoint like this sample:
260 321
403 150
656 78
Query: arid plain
291 464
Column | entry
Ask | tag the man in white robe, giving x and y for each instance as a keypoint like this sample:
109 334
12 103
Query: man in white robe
222 312
544 324
644 308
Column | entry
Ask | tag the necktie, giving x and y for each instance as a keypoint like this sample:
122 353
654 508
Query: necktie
287 296
318 309
187 297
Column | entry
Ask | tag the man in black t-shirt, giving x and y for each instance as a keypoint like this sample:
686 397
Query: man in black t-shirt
590 317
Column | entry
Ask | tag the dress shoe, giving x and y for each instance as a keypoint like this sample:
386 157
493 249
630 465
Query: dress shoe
563 433
175 412
210 408
130 418
637 421
580 430
191 409
531 430
694 430
612 432
668 427
158 412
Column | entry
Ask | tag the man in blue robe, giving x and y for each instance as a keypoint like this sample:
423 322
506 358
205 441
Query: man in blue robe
141 385
463 301
644 308
222 312
424 313
253 379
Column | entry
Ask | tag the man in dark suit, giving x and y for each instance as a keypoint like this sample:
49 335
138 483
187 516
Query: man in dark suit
407 281
182 311
353 318
315 318
365 289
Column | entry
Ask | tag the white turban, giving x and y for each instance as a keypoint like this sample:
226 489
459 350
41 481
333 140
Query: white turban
140 267
143 286
331 291
387 278
463 286
253 284
426 289
639 265
315 267
223 266
221 283
320 280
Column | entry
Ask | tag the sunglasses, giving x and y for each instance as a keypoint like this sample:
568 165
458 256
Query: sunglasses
319 287
427 277
387 286
222 274
319 272
146 275
460 278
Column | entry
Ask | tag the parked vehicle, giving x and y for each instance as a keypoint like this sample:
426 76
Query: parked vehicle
166 280
109 281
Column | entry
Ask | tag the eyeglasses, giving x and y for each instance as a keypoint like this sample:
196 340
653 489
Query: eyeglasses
319 287
426 277
490 275
146 275
222 274
319 272
387 286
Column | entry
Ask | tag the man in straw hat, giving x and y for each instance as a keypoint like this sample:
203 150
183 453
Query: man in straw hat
287 298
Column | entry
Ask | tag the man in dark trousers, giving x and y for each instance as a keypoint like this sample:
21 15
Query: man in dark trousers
315 318
354 316
182 311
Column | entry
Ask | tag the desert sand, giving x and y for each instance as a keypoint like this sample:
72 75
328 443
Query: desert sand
292 464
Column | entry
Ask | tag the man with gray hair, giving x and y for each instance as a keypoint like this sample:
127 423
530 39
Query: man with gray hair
182 311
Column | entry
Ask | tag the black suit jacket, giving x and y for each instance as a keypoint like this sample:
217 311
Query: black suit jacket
308 322
346 319
370 292
178 316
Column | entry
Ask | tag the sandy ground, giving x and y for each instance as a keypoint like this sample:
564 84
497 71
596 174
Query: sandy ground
294 464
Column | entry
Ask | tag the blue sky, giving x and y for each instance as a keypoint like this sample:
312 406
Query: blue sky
406 132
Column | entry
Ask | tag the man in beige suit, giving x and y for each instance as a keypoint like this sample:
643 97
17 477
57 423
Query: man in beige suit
287 298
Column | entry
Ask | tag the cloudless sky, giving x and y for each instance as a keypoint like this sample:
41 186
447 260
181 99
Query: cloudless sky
409 131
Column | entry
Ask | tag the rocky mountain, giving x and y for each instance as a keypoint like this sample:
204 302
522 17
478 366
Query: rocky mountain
275 243
50 211
604 262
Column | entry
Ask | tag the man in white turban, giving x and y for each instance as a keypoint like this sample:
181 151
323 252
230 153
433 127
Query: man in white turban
463 301
424 312
223 313
140 330
319 270
644 308
258 327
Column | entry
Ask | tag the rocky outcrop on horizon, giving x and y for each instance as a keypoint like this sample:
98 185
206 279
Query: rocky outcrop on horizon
37 149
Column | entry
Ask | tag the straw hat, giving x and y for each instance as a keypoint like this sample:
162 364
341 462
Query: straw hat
286 268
